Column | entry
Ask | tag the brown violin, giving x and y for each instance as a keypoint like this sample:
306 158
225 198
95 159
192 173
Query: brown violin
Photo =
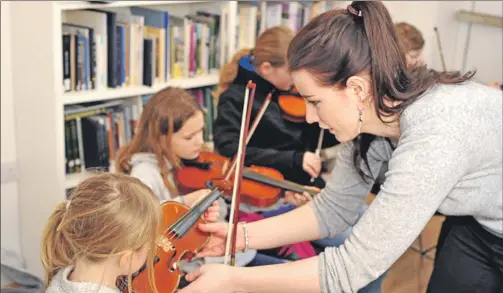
293 106
181 240
260 187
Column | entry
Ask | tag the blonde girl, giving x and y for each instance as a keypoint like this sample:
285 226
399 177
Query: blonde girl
106 230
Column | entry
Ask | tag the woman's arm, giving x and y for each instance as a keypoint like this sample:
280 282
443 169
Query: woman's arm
295 226
294 277
332 211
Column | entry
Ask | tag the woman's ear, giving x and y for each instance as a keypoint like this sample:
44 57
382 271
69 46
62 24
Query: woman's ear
358 86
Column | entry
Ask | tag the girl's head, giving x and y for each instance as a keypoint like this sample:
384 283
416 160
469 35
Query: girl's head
110 219
349 66
171 127
412 43
269 59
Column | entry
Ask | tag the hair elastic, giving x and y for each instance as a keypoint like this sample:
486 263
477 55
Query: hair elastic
353 11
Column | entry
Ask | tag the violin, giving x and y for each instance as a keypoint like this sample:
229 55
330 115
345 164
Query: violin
293 105
261 186
180 240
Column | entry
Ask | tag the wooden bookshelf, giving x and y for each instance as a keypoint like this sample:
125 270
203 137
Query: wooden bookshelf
40 102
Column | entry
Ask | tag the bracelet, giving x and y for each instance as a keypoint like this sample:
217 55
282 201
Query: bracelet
246 235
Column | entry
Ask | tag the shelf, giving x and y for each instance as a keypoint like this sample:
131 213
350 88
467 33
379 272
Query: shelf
75 5
110 94
479 18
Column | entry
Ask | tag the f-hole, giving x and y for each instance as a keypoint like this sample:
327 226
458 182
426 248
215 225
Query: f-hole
174 265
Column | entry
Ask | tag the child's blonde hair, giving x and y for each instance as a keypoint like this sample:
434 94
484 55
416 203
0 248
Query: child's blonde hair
271 46
107 214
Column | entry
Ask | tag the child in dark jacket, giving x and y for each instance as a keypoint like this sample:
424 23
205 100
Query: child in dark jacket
276 143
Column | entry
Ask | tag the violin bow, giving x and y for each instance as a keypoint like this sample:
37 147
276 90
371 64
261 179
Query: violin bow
230 247
318 149
439 45
252 130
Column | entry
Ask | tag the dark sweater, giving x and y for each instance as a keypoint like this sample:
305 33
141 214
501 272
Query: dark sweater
276 143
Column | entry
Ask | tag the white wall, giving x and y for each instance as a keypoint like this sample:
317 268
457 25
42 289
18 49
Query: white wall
485 43
10 237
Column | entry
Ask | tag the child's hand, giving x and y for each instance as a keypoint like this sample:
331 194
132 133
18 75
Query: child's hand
212 214
297 199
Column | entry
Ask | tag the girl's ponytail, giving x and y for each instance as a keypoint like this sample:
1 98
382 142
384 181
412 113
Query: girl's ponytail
56 249
229 71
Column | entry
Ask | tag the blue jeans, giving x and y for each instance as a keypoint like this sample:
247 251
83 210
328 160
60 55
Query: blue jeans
372 287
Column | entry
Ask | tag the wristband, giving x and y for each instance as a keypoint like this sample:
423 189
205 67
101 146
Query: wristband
245 230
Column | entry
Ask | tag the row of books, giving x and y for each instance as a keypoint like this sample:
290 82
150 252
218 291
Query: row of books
95 131
103 49
255 17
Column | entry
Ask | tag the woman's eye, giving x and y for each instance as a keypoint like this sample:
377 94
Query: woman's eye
314 103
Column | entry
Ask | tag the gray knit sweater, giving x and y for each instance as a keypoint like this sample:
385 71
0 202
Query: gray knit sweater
61 284
448 159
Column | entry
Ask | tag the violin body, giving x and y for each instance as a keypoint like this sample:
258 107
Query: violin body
255 193
212 166
206 167
181 240
293 106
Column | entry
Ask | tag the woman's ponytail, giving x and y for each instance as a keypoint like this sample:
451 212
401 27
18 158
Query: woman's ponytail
56 252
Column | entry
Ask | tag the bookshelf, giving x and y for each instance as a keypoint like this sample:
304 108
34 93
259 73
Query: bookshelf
40 101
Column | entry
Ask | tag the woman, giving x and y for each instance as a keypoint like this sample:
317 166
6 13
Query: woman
277 142
445 154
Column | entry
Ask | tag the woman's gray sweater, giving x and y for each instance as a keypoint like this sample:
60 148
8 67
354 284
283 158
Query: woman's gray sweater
448 159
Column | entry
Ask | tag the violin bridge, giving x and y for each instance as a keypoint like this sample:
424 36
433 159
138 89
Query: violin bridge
165 244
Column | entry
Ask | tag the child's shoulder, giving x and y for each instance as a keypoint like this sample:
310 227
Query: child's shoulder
61 284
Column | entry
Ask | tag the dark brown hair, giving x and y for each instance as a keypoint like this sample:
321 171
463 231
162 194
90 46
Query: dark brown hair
163 114
339 44
409 36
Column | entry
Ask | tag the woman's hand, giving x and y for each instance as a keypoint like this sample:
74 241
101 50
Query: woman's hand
217 242
311 163
211 278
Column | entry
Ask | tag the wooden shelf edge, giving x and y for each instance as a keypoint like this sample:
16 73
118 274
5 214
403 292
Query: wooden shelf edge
479 18
69 98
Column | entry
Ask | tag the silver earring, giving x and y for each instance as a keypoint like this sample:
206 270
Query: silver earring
360 117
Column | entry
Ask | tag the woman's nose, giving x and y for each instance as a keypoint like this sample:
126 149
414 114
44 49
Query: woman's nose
311 114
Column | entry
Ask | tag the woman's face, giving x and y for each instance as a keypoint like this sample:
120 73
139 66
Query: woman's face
334 109
187 142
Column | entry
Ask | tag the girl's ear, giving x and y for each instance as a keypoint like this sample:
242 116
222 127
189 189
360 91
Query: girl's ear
125 260
266 68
